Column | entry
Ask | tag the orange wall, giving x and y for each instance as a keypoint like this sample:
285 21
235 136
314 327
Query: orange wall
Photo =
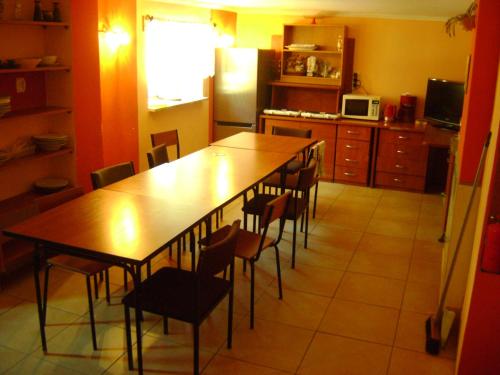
86 94
119 85
391 56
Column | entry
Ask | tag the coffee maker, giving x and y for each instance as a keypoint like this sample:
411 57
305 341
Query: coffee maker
407 105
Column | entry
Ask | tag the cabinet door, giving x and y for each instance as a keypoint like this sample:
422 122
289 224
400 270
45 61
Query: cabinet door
401 165
401 137
351 153
400 181
354 132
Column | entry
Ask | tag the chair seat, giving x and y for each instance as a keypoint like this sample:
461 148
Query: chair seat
170 292
247 244
255 206
78 265
275 181
294 166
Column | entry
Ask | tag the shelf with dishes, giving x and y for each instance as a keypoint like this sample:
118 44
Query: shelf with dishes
34 112
38 155
51 68
43 24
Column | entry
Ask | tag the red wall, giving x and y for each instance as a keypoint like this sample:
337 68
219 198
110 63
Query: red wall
478 104
86 93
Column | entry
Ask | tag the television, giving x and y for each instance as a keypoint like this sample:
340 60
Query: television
443 103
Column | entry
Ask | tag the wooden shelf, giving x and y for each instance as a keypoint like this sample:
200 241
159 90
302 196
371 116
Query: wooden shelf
34 112
304 85
36 156
34 23
38 69
314 51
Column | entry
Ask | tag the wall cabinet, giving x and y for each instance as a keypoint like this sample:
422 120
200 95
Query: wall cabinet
41 102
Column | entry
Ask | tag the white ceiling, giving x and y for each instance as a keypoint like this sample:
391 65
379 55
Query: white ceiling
409 9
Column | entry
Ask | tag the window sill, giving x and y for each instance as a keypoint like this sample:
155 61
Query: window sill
160 105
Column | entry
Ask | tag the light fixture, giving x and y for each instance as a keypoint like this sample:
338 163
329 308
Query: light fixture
114 37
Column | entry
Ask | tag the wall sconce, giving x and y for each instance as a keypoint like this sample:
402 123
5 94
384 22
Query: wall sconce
114 37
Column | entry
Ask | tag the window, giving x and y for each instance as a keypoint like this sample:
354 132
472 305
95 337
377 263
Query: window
179 56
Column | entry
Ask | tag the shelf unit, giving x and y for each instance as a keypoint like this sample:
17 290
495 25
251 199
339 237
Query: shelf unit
41 101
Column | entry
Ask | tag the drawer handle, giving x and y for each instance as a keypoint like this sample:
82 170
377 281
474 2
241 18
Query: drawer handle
402 137
350 146
401 151
352 132
350 160
399 166
350 174
396 180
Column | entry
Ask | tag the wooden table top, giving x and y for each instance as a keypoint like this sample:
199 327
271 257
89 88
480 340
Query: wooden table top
204 180
114 225
266 142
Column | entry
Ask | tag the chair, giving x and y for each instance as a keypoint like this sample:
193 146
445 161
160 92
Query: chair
111 174
294 165
88 268
168 138
189 296
157 156
250 245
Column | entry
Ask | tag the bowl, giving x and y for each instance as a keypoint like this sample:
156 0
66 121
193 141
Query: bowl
48 60
28 63
49 185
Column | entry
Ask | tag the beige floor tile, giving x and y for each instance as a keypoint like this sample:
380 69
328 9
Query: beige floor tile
270 344
422 271
161 356
340 238
9 358
411 331
308 279
409 216
298 309
433 200
330 354
362 191
360 321
430 251
392 228
223 365
403 199
369 289
350 219
20 328
348 200
395 267
420 297
7 302
405 362
428 231
41 365
388 245
320 254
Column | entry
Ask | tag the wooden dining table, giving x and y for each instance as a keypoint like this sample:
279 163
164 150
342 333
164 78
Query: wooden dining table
129 222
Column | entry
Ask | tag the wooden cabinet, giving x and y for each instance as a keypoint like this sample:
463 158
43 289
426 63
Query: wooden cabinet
321 130
41 102
353 154
401 160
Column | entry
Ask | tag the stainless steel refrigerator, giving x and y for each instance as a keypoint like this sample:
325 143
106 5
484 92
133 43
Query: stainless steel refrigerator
241 89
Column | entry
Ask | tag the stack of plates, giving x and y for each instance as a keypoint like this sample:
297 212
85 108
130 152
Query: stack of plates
49 185
301 46
50 142
4 105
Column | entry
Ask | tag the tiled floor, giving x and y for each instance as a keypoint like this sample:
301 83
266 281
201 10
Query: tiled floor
355 304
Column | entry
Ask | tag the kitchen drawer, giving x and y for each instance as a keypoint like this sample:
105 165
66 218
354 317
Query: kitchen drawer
400 181
352 153
351 174
354 132
401 137
405 151
401 165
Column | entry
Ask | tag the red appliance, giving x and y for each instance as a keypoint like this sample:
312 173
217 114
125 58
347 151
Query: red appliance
407 105
491 252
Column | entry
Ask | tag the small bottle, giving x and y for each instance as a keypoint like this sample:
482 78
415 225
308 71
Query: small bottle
56 12
340 43
18 9
37 13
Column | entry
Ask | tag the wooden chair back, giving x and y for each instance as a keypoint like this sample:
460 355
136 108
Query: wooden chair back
274 210
168 138
292 132
49 201
216 257
157 156
307 176
111 174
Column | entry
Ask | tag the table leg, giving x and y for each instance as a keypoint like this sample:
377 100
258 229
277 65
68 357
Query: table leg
192 247
138 315
283 179
36 273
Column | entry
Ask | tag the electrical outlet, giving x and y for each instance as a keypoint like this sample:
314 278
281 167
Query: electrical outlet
20 85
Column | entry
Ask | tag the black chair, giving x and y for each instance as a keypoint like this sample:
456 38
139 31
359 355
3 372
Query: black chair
157 156
294 165
250 245
189 296
88 268
167 138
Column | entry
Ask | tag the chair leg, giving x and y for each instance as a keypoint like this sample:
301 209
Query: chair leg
129 338
230 319
294 241
245 226
165 325
307 225
45 293
101 276
91 313
125 286
96 287
106 280
252 292
196 349
315 200
278 271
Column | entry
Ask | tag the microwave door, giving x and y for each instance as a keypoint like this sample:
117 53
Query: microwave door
357 107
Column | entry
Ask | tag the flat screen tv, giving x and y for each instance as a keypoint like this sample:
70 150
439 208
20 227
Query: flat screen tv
443 103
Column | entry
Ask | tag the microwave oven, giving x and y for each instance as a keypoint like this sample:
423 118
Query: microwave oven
362 107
